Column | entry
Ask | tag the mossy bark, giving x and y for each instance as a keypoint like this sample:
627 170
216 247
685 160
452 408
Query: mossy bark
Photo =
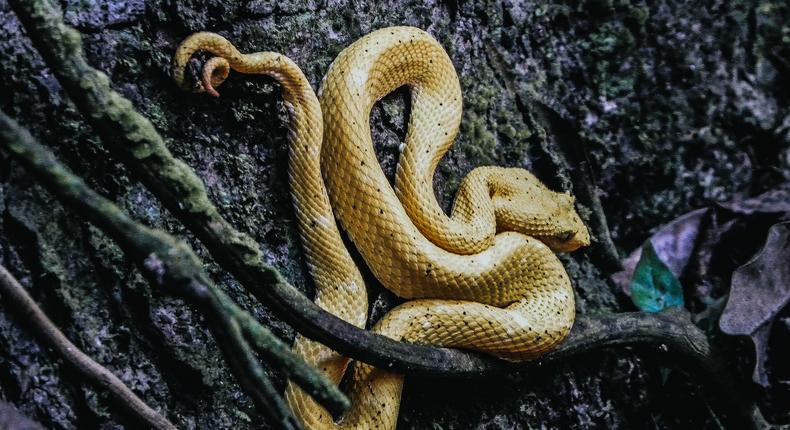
672 106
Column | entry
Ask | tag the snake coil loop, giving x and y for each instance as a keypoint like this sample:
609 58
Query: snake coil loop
484 277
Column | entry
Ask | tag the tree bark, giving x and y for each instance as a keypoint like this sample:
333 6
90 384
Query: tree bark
670 106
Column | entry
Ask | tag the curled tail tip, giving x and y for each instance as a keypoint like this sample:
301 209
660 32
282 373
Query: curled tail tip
212 92
200 41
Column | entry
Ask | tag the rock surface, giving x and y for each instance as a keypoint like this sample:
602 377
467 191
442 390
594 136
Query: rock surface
673 104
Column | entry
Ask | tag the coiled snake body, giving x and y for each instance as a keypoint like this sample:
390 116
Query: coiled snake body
484 278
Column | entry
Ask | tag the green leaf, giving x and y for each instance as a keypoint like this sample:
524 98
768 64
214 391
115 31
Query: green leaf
654 287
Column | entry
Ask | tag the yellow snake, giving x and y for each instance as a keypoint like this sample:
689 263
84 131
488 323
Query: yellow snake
484 278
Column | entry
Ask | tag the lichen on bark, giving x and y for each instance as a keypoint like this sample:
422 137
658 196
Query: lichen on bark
677 105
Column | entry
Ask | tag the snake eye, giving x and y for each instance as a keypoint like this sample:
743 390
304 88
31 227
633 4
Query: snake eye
566 236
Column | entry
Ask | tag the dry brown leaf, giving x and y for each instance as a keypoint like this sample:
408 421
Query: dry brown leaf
760 290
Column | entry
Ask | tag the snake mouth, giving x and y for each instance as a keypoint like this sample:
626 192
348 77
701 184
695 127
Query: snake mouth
567 242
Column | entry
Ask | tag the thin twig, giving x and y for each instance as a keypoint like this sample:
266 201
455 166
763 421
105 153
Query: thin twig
257 384
133 139
566 156
173 267
568 145
19 301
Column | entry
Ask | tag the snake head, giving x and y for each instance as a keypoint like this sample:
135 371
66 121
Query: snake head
523 204
567 230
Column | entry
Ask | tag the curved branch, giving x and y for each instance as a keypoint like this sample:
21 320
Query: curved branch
20 301
133 139
669 335
673 336
670 330
172 266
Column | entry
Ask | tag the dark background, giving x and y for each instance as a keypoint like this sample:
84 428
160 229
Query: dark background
674 105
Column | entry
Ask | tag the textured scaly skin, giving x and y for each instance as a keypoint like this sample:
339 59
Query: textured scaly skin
484 278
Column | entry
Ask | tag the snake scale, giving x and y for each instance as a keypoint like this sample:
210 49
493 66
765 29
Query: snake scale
484 278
